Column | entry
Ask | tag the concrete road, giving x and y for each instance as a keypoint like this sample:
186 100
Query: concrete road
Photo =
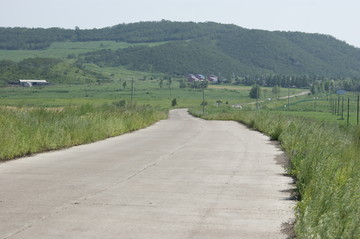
180 178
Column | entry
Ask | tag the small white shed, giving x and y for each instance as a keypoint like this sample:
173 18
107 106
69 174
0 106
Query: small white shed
30 83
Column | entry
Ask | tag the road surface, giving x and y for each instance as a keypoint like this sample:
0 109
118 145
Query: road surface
180 178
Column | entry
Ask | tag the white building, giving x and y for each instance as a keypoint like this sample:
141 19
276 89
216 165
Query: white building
30 83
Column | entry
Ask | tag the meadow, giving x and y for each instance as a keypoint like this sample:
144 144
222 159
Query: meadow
147 90
67 50
25 131
41 118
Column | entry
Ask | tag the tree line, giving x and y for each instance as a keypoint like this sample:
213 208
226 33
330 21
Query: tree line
40 38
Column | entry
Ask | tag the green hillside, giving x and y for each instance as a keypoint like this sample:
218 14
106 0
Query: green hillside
54 70
179 48
175 58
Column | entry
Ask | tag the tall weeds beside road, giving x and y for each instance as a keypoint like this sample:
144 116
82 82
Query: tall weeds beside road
27 131
325 162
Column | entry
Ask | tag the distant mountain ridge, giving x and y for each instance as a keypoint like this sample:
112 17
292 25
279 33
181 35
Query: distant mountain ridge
208 48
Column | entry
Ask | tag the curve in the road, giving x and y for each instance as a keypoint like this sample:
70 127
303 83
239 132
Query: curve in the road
180 178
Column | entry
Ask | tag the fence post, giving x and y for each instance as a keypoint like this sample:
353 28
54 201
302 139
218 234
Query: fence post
332 105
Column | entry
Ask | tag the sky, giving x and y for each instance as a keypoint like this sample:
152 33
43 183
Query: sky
339 18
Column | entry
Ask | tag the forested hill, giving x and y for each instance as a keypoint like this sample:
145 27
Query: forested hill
39 38
207 48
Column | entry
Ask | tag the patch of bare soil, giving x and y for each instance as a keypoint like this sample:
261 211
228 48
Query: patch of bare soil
288 229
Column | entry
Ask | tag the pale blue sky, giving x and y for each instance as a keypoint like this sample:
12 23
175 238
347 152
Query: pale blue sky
339 18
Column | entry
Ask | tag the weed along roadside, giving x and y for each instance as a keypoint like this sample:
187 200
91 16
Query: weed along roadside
28 131
324 160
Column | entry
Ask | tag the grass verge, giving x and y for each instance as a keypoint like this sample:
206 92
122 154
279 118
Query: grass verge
325 162
27 131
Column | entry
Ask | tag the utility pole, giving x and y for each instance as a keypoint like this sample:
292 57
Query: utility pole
257 97
348 113
86 85
342 108
170 81
132 89
203 96
357 115
288 97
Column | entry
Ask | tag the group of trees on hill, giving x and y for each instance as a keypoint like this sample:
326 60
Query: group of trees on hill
291 53
39 38
32 39
174 58
207 48
317 84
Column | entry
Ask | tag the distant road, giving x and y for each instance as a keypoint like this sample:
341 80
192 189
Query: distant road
295 95
283 97
180 178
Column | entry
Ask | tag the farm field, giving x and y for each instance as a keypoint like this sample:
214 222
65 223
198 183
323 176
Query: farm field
145 92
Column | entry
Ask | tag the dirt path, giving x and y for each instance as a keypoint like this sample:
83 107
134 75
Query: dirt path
180 178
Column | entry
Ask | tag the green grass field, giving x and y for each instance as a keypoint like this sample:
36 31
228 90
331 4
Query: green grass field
320 108
145 92
63 49
26 131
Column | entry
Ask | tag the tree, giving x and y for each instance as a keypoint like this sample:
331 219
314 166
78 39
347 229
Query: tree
169 85
182 83
255 92
314 89
77 33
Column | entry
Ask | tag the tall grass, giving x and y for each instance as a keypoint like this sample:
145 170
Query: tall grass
325 160
28 131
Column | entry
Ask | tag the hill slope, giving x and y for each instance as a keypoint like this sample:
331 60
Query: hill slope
54 70
203 48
